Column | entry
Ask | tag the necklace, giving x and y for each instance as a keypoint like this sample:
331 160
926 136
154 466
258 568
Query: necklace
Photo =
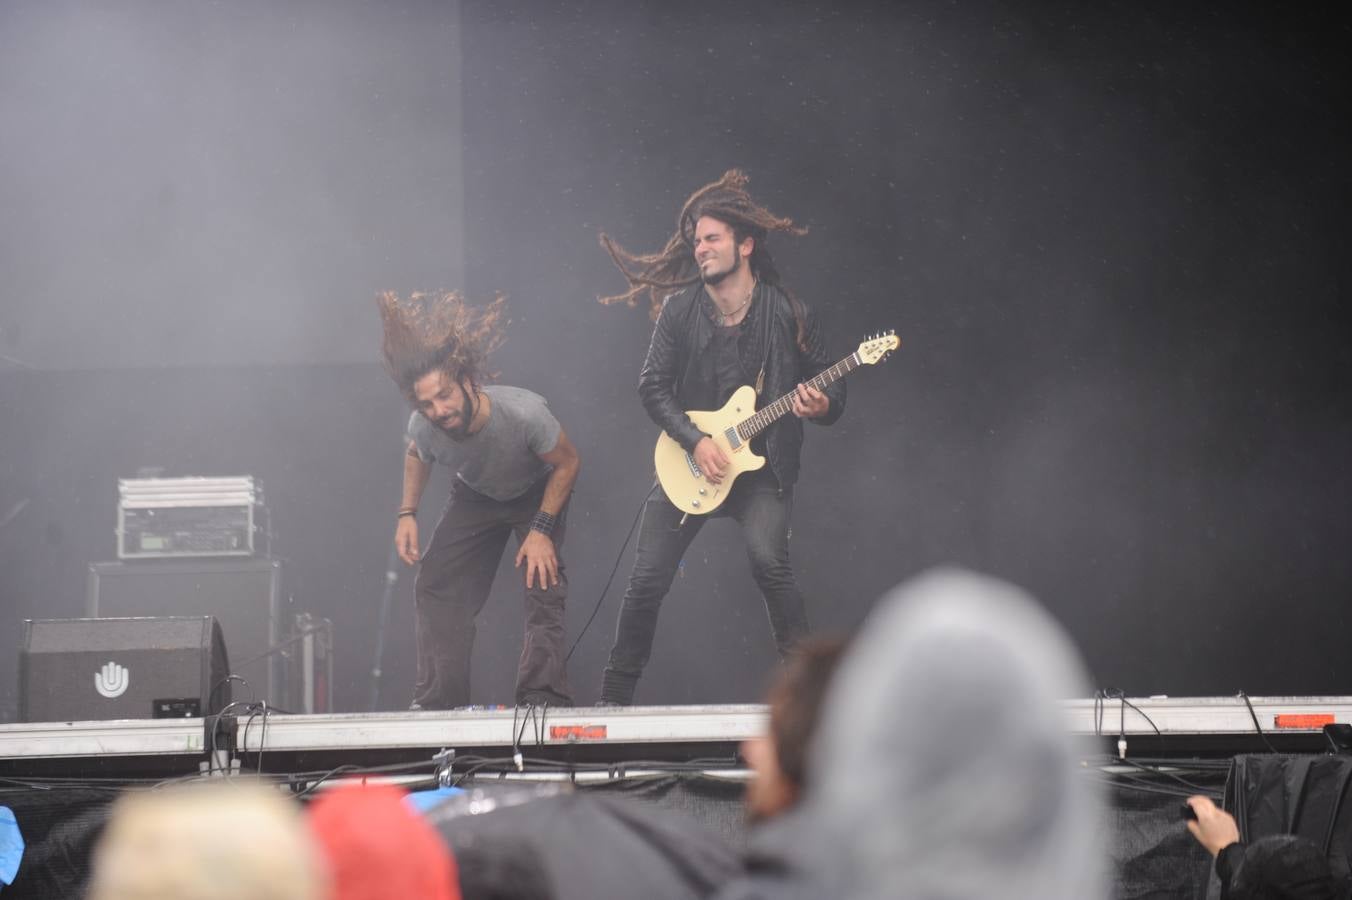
727 316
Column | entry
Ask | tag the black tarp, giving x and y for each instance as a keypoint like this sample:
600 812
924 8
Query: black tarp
1302 795
586 845
59 825
1153 856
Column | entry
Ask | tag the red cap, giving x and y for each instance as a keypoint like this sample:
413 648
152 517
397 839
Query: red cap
378 848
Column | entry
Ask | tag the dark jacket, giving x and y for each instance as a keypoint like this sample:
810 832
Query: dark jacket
671 381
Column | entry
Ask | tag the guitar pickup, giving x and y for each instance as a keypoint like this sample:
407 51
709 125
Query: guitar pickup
734 441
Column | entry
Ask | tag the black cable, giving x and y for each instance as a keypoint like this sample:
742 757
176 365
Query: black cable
537 719
615 568
1136 709
1192 763
508 764
1121 696
1195 788
516 735
211 723
1127 779
316 778
1256 727
528 716
281 645
1143 788
252 693
255 709
244 739
262 739
1156 769
252 708
313 784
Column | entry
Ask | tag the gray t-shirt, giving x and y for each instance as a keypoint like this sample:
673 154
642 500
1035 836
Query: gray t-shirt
502 459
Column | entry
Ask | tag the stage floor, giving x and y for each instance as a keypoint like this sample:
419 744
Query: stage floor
656 735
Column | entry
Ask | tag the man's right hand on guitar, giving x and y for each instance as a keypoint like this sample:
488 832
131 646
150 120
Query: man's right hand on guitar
406 540
711 459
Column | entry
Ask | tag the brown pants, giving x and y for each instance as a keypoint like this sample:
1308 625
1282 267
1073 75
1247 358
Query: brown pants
453 583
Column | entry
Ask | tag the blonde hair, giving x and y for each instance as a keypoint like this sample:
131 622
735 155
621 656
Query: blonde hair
207 842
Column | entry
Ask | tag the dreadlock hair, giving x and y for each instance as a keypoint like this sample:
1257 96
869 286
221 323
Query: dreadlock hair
673 267
438 332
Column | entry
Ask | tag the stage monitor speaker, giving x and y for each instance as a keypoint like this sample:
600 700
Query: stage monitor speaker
244 596
93 669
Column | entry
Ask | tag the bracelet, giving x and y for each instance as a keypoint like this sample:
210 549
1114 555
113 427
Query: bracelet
543 522
406 512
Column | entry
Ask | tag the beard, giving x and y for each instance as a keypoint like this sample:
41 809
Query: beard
461 431
717 277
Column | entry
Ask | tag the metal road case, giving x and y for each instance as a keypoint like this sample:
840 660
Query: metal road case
178 518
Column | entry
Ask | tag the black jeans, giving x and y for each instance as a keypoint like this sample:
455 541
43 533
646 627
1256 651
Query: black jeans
762 509
453 583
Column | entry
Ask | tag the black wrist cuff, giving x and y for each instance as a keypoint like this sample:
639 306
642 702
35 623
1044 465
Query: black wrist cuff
544 523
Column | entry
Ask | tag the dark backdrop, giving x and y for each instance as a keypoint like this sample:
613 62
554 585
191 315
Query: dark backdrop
1112 243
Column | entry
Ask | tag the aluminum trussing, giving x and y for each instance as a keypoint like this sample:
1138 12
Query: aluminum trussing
504 727
121 737
638 725
1205 715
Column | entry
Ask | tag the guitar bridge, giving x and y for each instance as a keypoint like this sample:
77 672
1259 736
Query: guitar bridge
694 469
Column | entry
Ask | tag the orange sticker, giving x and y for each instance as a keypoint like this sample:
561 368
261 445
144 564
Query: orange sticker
1308 721
577 732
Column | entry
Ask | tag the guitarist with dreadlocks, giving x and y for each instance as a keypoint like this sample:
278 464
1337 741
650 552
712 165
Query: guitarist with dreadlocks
726 321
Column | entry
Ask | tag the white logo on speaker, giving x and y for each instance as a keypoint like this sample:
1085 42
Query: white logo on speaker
111 681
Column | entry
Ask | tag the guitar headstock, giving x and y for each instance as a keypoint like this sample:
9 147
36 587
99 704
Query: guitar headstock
875 349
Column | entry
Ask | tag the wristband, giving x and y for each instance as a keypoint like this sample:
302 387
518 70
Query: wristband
544 523
406 512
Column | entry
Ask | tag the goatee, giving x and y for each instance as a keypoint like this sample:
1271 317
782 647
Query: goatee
718 277
460 432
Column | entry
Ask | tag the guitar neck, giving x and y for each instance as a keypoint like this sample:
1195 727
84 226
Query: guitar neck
773 412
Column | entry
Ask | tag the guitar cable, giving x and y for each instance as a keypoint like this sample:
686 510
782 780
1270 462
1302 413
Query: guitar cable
615 568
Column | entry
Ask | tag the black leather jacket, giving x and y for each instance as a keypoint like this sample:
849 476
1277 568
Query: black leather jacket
671 383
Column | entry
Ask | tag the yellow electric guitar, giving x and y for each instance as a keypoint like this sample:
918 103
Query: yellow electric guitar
732 429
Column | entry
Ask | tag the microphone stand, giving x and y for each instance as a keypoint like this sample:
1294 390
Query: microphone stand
386 600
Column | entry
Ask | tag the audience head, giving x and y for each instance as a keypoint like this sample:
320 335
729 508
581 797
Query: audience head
380 848
944 767
779 758
1283 867
214 841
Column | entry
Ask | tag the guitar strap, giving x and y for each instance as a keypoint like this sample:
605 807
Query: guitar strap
767 314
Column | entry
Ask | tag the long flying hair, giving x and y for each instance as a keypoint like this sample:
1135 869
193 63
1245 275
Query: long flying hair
438 331
673 267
